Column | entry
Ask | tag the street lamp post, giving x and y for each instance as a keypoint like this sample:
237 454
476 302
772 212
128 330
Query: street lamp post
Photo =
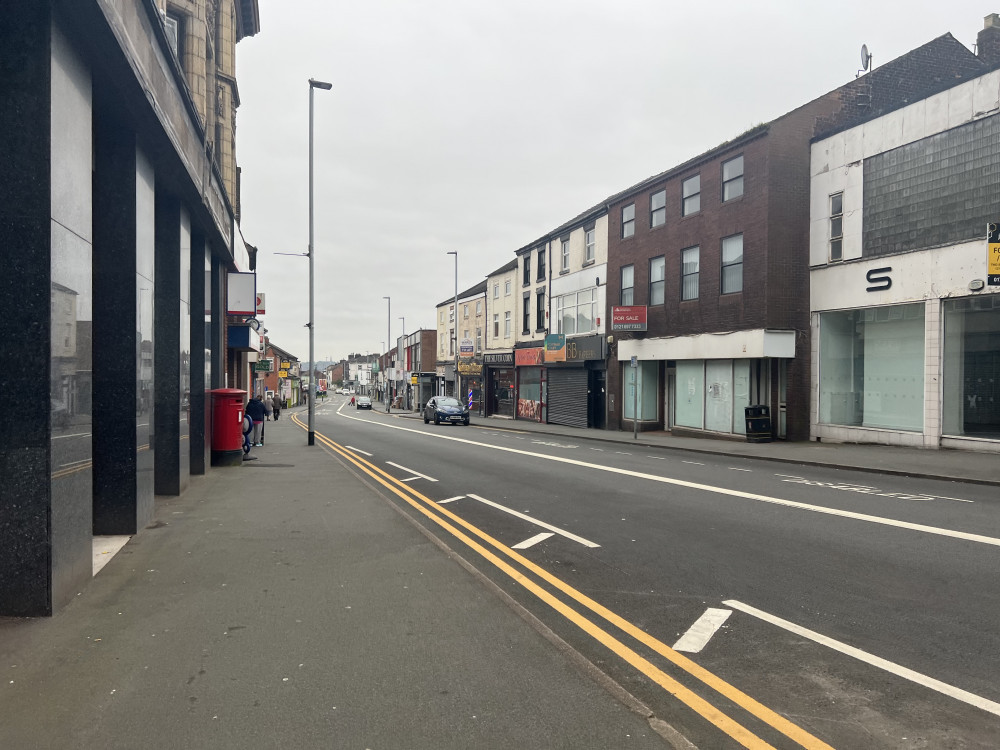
458 381
388 356
402 357
311 440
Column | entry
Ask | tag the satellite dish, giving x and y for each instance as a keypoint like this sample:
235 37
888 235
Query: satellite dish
866 57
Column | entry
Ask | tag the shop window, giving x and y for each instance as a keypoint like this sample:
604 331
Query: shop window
644 400
871 366
971 367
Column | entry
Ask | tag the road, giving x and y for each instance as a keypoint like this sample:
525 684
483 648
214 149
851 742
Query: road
747 603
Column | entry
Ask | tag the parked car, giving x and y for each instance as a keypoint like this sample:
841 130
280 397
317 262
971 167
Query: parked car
445 409
363 402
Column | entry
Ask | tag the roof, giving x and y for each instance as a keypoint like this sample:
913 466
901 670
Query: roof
472 291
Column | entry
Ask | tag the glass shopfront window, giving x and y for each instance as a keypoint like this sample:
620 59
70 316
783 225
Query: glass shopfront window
871 367
711 394
971 368
529 393
646 374
690 407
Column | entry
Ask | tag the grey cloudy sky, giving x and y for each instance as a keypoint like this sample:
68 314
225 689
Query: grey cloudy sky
479 126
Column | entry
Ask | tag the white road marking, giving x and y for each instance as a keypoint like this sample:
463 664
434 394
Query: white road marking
529 519
601 450
699 634
657 458
415 473
623 453
358 450
75 463
929 682
450 499
75 434
867 518
533 540
696 463
733 468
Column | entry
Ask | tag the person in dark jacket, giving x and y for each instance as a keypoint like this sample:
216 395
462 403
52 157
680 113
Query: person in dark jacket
255 410
276 406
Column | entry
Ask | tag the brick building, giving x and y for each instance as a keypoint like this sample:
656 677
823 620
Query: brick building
717 250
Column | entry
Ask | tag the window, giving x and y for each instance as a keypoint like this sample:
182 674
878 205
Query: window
837 226
658 209
732 179
506 288
540 311
465 312
732 264
565 255
496 291
577 312
451 342
479 307
527 270
506 325
441 316
591 242
172 25
496 325
689 272
479 339
657 269
451 314
627 285
628 220
691 195
526 314
541 264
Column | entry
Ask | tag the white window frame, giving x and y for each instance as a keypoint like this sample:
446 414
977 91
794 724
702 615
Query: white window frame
836 227
564 254
691 195
658 209
732 186
630 300
628 221
590 236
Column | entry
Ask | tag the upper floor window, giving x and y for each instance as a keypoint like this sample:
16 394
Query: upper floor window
732 178
627 285
506 324
496 325
576 312
441 316
526 314
479 307
465 313
590 238
691 195
657 274
732 264
837 226
541 264
658 209
506 288
479 339
527 270
564 254
689 272
540 311
628 220
496 291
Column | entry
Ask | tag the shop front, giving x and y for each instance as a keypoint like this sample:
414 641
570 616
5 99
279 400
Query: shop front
531 385
576 383
471 371
499 383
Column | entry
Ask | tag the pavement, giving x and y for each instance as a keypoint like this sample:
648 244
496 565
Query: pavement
286 603
947 464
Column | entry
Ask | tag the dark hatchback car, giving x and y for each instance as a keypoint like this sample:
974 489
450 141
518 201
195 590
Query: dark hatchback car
445 409
363 402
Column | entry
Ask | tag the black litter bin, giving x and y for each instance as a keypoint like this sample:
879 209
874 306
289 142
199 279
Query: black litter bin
758 419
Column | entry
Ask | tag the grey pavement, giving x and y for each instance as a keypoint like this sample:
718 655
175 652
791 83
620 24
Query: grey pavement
953 465
285 603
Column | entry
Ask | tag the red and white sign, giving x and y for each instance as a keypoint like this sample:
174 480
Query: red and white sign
260 303
628 318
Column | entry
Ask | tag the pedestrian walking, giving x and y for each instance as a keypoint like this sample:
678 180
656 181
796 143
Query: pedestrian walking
268 409
276 406
255 410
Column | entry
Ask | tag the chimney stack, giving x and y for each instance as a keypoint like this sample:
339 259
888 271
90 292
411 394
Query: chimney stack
988 41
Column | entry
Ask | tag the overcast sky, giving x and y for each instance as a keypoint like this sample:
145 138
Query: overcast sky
480 126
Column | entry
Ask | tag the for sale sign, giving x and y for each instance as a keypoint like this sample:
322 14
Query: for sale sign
993 259
628 318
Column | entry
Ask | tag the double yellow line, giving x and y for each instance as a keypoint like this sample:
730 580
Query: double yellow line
448 521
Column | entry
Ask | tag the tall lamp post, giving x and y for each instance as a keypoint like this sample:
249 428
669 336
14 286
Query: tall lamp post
388 355
313 84
458 380
402 358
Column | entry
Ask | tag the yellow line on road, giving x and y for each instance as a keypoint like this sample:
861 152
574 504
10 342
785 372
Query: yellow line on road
686 696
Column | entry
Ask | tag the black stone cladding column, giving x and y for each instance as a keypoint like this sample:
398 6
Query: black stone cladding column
166 358
25 245
200 424
120 505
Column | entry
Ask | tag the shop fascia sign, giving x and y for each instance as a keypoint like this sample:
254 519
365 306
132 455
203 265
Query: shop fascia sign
628 318
471 367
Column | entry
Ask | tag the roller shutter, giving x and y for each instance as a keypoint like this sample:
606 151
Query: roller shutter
567 397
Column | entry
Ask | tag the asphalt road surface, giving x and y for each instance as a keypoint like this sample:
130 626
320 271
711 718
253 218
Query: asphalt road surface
748 603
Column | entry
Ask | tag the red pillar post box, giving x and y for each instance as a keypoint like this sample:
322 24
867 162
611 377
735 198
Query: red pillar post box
227 426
